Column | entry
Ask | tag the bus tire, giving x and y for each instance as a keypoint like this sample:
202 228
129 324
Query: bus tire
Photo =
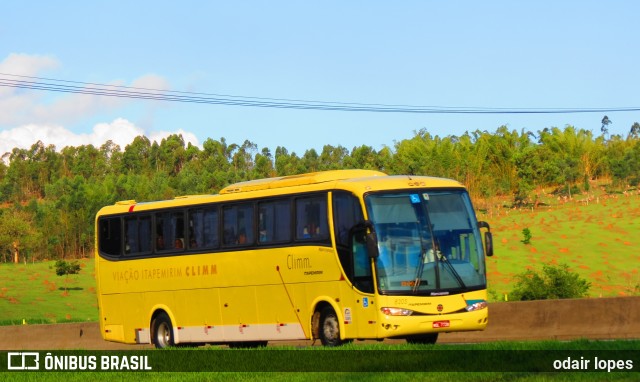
429 338
329 330
162 331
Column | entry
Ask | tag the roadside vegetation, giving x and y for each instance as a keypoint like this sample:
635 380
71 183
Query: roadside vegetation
594 244
559 198
49 195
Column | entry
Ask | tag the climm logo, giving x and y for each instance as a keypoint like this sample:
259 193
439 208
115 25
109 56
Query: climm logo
298 262
201 270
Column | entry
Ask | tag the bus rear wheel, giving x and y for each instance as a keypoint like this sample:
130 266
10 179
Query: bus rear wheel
329 327
429 338
162 331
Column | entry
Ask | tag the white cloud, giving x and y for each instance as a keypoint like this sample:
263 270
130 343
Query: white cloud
29 116
150 81
14 103
24 106
120 131
26 64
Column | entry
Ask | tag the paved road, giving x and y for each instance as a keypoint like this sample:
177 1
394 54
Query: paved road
598 318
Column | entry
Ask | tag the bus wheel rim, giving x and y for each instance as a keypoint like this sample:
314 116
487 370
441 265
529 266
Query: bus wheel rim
164 335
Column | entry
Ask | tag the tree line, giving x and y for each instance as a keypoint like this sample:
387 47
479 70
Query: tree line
49 197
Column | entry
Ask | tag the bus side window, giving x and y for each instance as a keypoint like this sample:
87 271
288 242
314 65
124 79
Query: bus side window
138 235
237 222
274 221
169 230
203 228
311 218
346 214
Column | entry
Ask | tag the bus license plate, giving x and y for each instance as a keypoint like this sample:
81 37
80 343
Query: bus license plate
441 324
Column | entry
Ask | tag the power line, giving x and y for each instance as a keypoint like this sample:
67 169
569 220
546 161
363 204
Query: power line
77 87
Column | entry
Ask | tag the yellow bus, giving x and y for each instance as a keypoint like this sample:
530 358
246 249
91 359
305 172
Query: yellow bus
334 256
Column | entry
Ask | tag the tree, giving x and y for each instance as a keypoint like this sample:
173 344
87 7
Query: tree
332 158
635 130
605 123
18 235
65 268
263 167
135 158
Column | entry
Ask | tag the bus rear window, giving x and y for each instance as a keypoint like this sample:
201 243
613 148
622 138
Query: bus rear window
110 236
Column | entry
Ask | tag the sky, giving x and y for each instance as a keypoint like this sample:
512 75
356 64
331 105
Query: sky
517 55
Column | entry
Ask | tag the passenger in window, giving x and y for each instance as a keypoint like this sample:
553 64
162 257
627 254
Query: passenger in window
242 237
178 244
193 243
160 243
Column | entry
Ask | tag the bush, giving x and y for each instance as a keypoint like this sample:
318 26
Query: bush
526 234
554 282
67 268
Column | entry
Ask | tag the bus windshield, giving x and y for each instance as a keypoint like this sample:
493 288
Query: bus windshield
428 242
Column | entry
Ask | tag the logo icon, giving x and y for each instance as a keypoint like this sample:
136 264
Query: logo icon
23 361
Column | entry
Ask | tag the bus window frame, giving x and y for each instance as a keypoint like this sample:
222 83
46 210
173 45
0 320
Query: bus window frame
323 240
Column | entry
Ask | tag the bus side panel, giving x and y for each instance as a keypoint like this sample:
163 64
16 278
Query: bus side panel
198 315
359 311
120 324
111 322
239 315
278 315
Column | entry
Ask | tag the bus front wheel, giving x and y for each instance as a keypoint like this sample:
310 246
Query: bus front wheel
329 327
162 331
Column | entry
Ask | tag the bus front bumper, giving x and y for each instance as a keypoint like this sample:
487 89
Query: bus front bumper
402 326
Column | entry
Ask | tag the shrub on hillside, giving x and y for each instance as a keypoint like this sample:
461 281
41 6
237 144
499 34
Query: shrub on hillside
526 236
67 268
554 282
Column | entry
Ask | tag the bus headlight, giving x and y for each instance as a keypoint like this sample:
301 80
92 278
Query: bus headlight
396 312
473 305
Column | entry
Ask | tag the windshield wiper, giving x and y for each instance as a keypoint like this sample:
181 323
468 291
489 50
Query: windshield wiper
416 282
423 254
443 259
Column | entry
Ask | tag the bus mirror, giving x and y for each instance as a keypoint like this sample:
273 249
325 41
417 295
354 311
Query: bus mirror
359 234
488 243
372 245
488 237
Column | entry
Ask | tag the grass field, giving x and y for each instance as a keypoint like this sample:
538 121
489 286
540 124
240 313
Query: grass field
33 293
599 239
502 361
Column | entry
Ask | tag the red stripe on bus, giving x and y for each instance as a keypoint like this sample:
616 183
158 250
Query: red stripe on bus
131 208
